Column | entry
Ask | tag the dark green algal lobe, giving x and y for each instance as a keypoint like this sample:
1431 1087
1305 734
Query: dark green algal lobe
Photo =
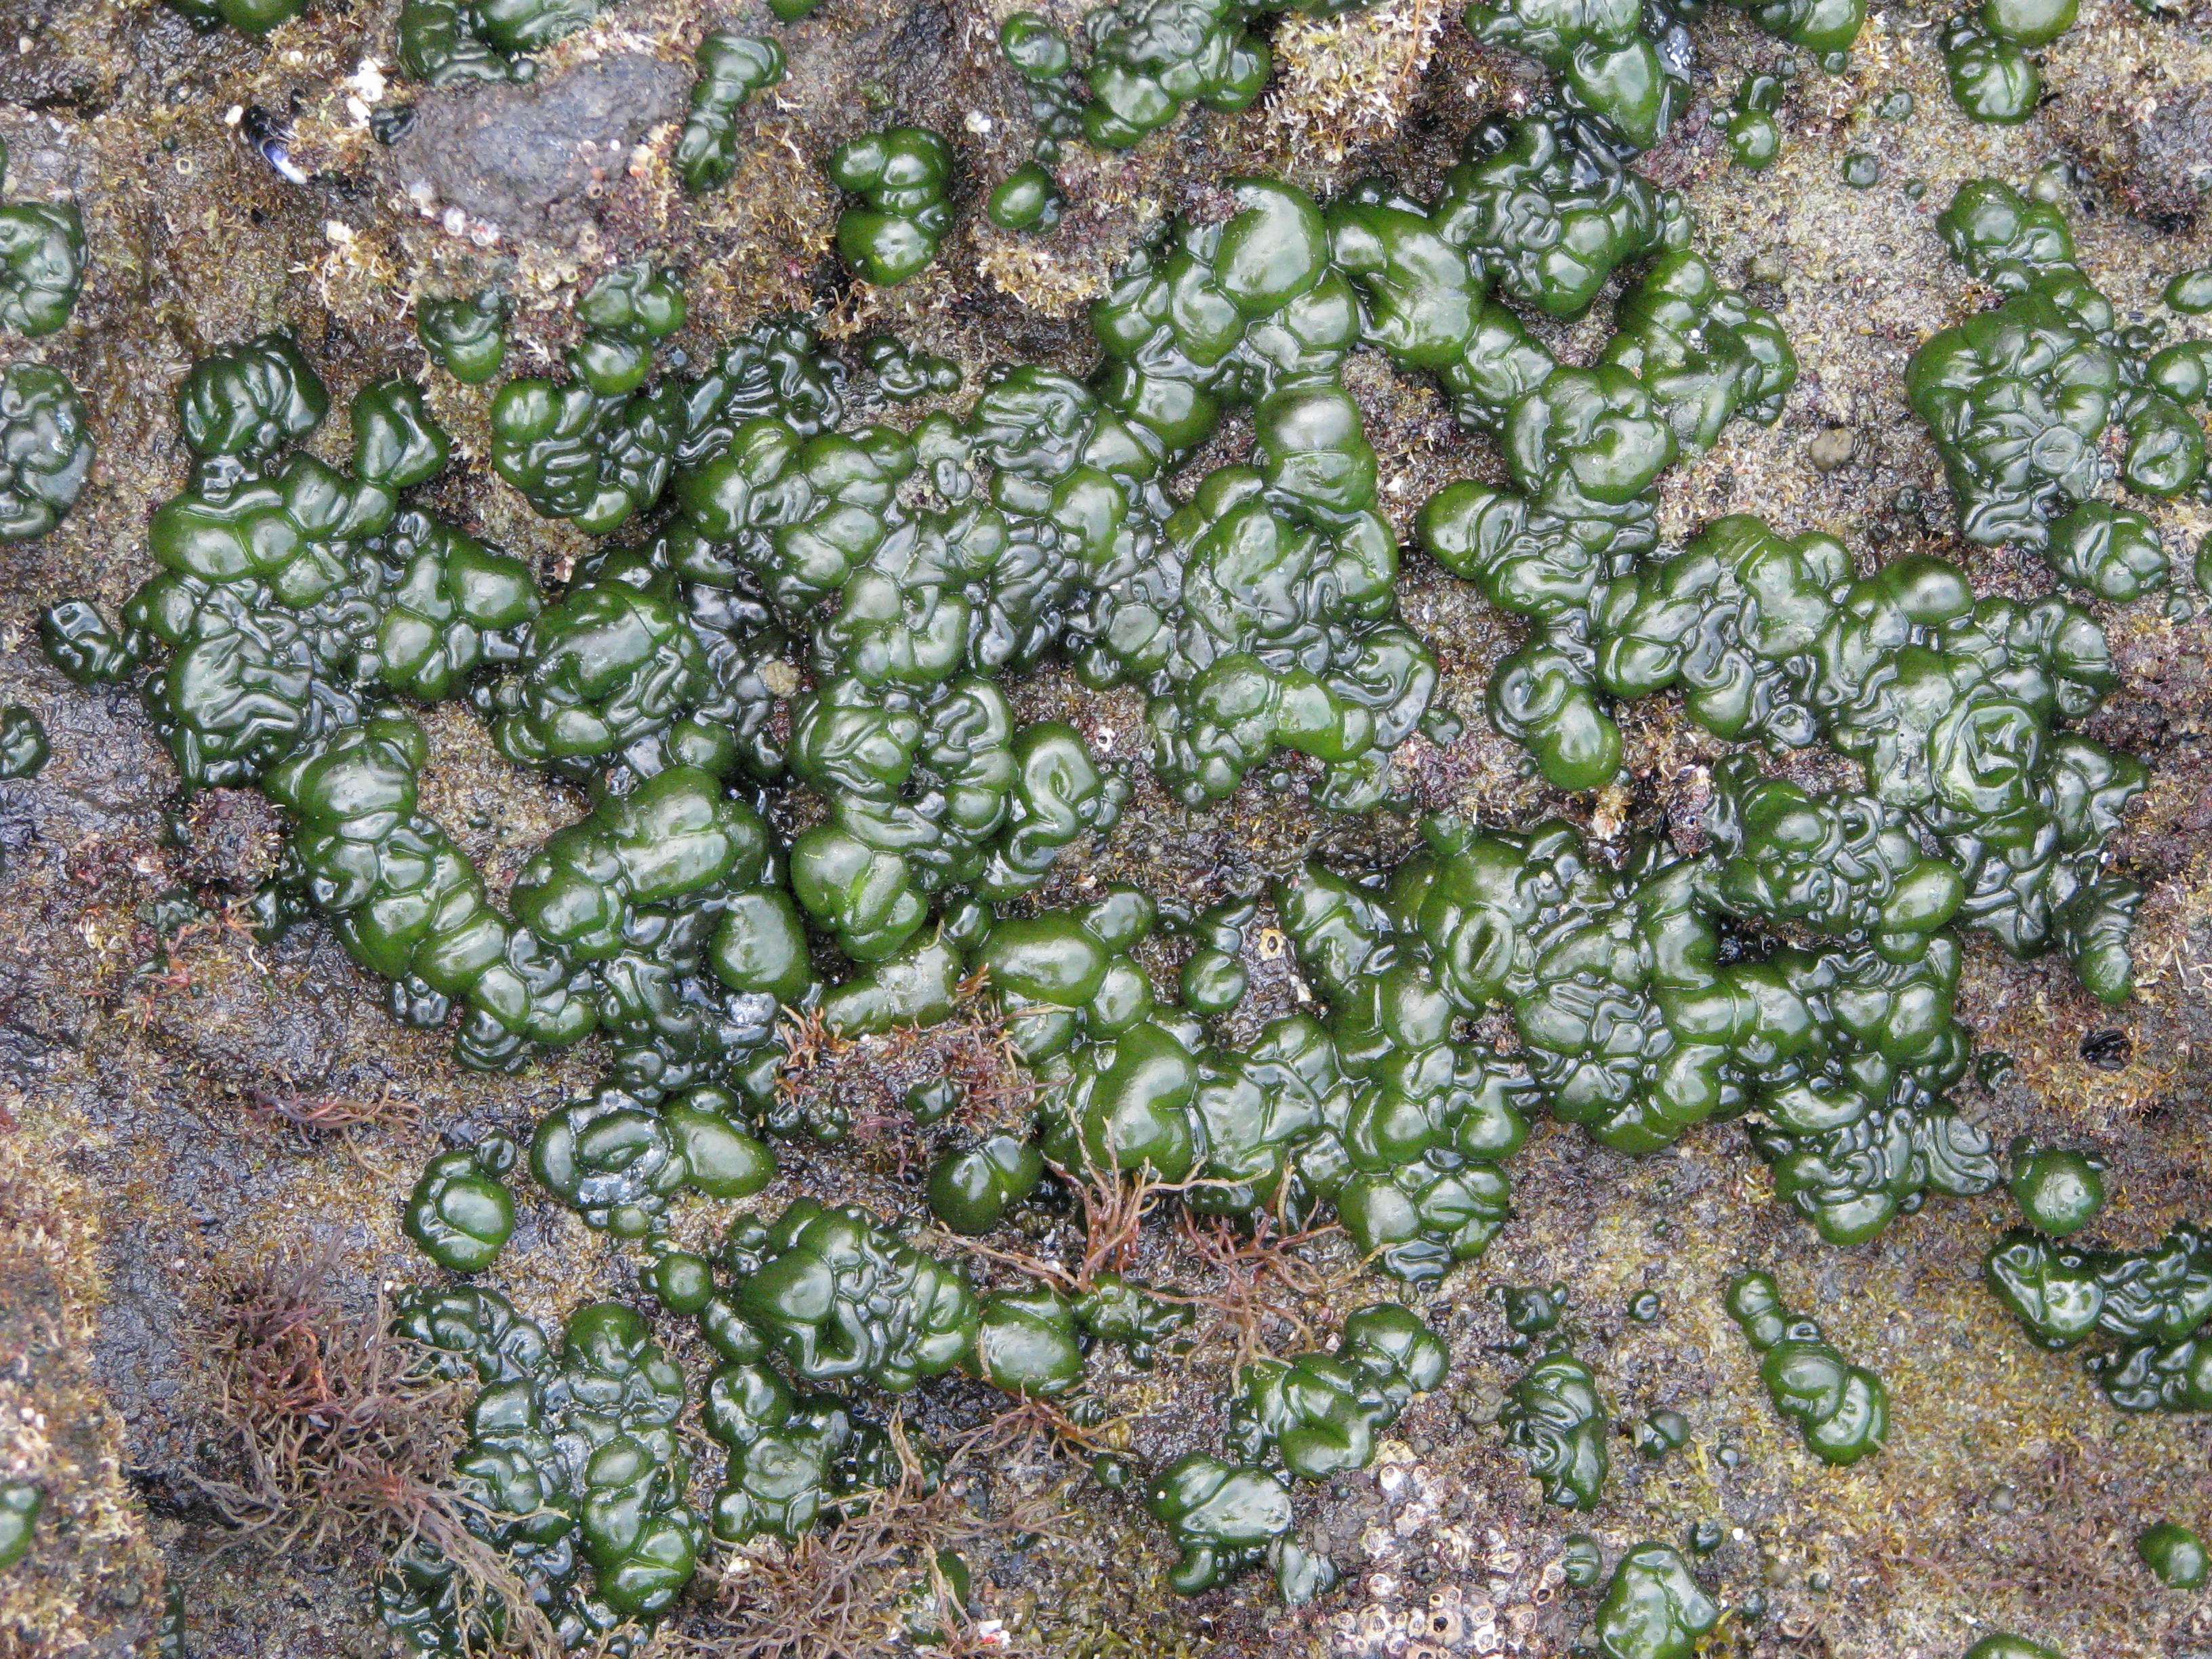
23 748
575 1468
2018 400
2152 1303
841 1301
1320 1414
1629 65
2059 1191
446 43
465 336
459 1214
2173 1554
901 173
1654 1608
1992 80
2005 1645
731 68
903 374
1755 136
1842 1409
1224 1518
1631 1026
45 449
1555 1421
41 263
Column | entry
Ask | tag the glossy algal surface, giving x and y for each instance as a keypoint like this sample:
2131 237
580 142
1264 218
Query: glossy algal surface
42 259
575 1463
460 1214
2173 1554
46 449
2018 399
1556 1420
2059 1190
731 68
1654 1608
1842 1409
2152 1303
901 173
465 336
446 43
1320 1414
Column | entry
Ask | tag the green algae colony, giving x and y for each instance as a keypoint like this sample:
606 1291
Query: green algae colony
783 671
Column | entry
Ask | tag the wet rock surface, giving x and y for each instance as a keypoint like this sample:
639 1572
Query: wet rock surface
536 160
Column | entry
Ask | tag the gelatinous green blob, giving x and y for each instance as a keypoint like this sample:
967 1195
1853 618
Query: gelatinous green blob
460 1213
42 257
902 172
1025 1342
1221 1517
23 748
2174 1555
1150 57
1754 138
78 641
1662 1432
1321 1413
465 336
1992 81
2029 24
2060 1191
1581 1562
444 43
840 1300
904 374
2005 1645
1823 28
1607 62
46 450
1842 1409
971 1191
574 1460
2190 293
1862 171
1123 1310
247 16
250 400
1027 198
1037 50
1654 1608
2113 552
732 67
1555 1421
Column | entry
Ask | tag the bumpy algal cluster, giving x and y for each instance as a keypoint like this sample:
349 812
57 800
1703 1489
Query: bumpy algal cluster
1842 1409
1952 705
2152 1303
1555 1419
41 262
1634 1022
731 68
46 449
812 606
575 1460
444 43
2019 399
